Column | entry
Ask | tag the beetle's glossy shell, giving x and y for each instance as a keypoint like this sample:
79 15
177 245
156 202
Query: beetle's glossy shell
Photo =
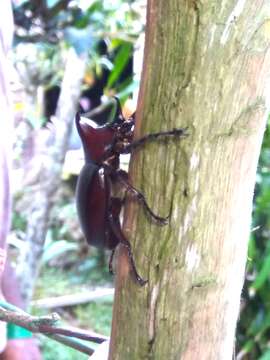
93 192
91 201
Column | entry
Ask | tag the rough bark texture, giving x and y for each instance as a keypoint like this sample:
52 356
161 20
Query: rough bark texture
206 66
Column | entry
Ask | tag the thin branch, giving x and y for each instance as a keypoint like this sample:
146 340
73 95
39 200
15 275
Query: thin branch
29 322
22 319
44 324
73 299
73 343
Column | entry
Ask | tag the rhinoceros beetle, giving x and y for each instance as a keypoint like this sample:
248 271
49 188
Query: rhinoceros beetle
98 209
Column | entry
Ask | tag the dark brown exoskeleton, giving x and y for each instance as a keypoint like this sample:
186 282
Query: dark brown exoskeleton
97 208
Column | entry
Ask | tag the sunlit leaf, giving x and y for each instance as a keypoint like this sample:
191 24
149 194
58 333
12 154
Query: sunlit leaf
263 274
120 63
265 356
58 248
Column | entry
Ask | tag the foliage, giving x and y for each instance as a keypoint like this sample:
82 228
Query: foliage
44 32
97 316
94 316
254 325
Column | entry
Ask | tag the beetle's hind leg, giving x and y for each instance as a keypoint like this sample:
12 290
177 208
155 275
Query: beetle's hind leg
124 242
111 262
117 232
114 214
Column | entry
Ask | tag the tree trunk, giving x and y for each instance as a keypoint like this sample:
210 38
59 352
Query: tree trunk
206 67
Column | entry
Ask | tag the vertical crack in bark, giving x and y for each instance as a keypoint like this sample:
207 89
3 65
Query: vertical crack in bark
152 316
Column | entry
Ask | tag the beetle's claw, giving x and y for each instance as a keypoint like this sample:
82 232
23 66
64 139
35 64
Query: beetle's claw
162 220
141 281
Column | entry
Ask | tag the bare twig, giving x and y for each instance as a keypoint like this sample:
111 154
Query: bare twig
31 323
46 326
72 299
9 316
73 343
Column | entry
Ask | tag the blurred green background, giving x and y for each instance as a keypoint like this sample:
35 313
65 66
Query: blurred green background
109 32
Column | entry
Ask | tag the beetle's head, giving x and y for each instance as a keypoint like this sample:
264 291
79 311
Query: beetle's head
95 138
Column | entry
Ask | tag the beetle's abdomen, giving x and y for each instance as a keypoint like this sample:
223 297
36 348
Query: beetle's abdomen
92 205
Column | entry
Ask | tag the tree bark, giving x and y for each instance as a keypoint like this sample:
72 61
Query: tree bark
207 67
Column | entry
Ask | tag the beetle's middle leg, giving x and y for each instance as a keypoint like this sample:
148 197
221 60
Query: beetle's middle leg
122 177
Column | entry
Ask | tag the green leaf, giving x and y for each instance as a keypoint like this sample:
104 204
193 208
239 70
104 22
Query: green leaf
94 13
265 356
263 274
120 63
260 324
128 90
57 248
248 346
252 250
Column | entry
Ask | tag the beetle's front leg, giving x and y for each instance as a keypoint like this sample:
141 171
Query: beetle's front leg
127 148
